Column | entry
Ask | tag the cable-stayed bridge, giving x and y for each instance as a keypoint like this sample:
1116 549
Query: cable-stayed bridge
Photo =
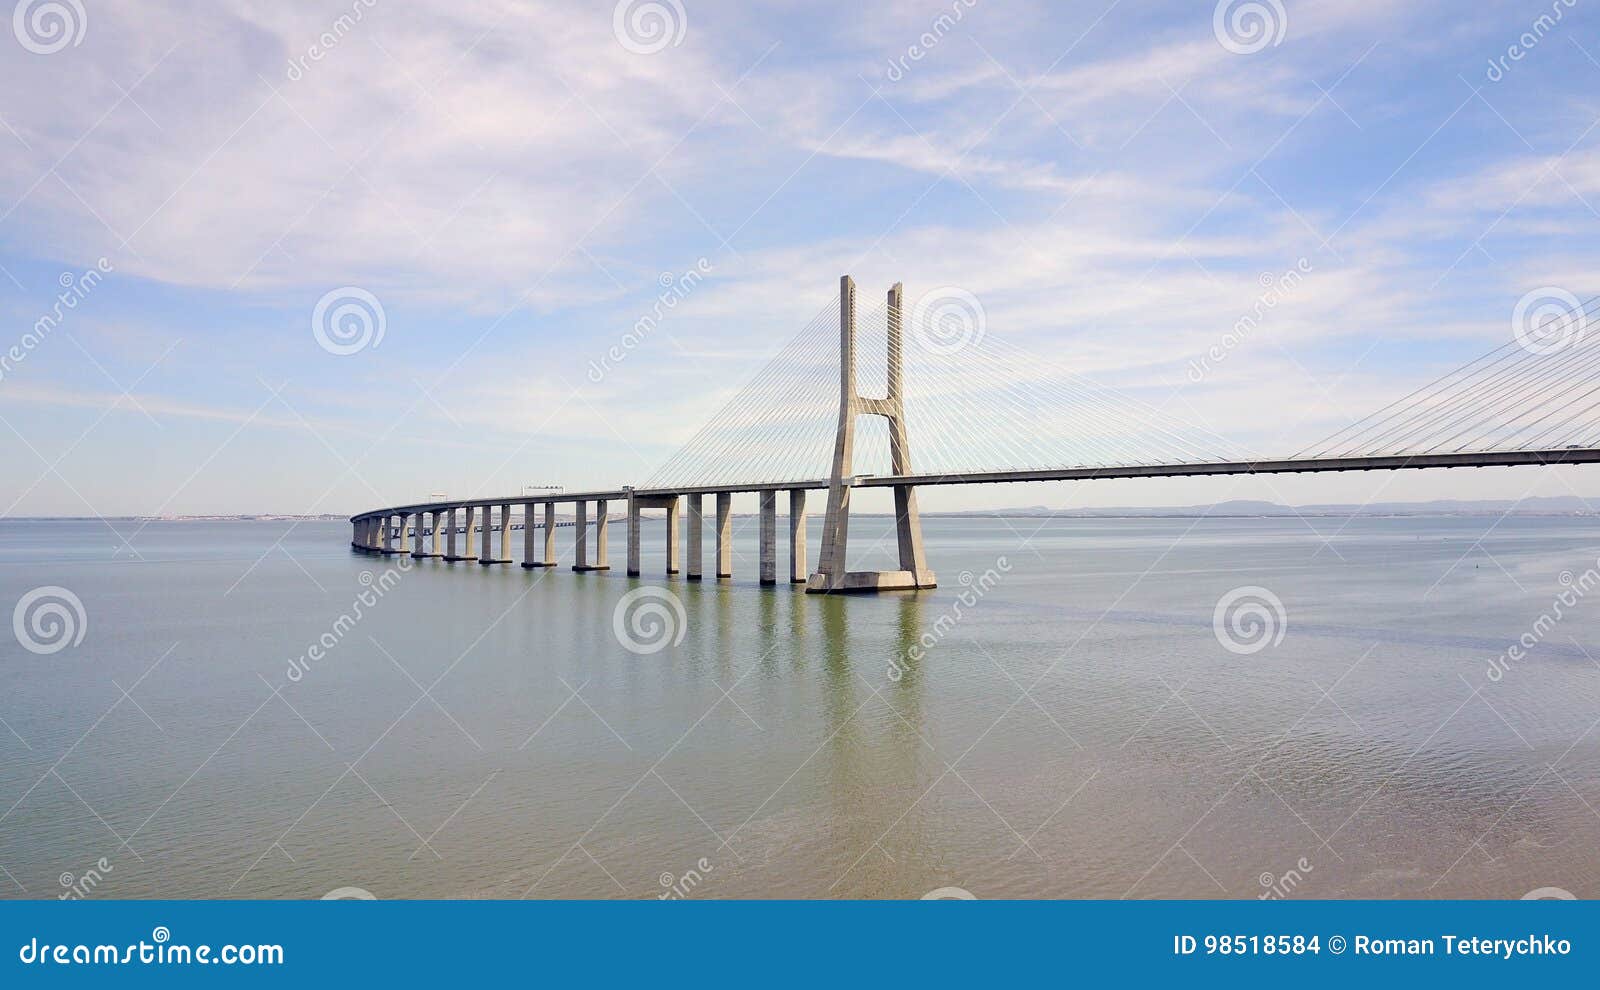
849 404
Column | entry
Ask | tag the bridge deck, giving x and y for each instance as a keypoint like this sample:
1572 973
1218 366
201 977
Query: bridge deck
1391 462
1394 462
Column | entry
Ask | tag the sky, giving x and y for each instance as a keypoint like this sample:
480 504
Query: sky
230 193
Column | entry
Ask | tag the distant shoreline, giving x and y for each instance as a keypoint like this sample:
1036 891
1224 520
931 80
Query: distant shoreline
1385 511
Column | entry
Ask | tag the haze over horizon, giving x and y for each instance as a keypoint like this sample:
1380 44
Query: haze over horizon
504 192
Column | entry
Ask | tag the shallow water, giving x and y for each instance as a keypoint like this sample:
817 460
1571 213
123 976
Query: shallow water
1074 728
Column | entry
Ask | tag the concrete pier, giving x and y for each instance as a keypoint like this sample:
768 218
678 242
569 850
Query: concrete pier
532 554
490 554
637 503
504 557
832 573
797 536
580 537
396 541
601 517
549 535
696 542
724 534
672 535
469 535
417 528
527 535
769 537
633 534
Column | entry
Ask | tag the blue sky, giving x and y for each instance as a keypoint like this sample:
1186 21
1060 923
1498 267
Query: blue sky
512 181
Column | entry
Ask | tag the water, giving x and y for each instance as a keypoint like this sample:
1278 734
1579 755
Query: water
482 732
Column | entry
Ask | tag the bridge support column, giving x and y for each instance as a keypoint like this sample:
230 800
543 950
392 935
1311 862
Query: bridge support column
636 503
633 535
486 554
672 535
769 537
397 540
696 541
601 517
797 536
832 573
505 535
580 536
527 534
724 534
531 558
418 549
549 535
469 535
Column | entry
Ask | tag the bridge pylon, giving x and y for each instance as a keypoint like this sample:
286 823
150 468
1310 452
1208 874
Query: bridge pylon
832 575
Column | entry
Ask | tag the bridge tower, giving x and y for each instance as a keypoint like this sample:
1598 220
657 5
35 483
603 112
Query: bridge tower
831 574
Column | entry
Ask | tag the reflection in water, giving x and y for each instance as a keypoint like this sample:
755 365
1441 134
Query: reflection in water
826 775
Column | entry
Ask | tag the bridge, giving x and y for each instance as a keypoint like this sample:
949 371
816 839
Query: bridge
984 413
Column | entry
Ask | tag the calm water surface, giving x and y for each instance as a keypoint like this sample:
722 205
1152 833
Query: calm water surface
1076 730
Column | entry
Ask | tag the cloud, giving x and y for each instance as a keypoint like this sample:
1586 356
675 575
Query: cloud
509 173
458 153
